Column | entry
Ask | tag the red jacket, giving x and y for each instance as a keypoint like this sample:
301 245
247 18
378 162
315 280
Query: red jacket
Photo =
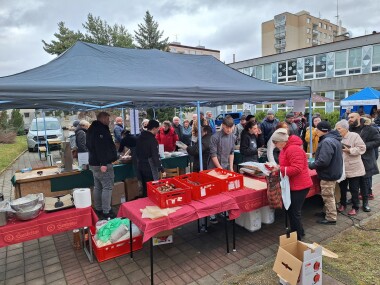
293 157
168 139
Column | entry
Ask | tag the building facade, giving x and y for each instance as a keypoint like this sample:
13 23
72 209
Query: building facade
176 47
289 31
335 70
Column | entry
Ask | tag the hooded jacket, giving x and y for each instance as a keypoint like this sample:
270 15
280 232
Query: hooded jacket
249 145
268 127
102 150
194 151
371 137
293 158
80 137
168 139
328 157
147 152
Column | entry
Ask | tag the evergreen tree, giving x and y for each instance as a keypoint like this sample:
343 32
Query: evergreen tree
97 31
3 120
149 36
17 122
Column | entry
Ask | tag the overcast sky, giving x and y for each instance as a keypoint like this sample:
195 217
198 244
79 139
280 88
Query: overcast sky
231 26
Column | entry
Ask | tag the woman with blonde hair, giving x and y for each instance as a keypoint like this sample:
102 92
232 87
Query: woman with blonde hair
353 147
314 136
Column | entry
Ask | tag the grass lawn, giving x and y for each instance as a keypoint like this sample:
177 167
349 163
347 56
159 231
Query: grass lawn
10 151
358 262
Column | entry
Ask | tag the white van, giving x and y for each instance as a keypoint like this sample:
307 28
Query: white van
37 135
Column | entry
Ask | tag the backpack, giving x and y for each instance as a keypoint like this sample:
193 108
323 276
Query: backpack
73 141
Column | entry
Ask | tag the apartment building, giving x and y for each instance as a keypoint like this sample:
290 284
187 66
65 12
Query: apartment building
334 70
287 32
176 47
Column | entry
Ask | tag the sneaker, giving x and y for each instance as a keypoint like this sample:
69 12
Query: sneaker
341 208
352 212
110 215
371 197
213 220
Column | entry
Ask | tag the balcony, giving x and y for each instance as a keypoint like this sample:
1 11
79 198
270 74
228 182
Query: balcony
280 45
278 24
315 32
280 35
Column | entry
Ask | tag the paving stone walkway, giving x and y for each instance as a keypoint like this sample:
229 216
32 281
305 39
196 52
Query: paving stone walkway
192 259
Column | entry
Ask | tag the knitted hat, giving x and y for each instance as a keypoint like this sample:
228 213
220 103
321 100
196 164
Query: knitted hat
270 112
280 135
76 123
290 115
324 126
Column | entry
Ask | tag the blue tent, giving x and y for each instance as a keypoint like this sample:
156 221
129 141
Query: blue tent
367 96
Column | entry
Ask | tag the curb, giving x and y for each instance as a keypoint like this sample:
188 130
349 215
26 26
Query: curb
13 161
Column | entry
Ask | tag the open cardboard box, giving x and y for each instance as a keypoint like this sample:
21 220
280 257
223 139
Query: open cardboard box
164 237
299 263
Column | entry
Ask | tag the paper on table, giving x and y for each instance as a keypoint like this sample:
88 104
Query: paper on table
82 158
254 183
154 212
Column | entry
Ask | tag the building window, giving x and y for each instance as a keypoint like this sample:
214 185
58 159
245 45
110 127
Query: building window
308 31
287 70
259 72
309 68
325 26
354 60
308 40
320 24
308 20
330 28
26 115
376 58
340 63
320 65
325 35
268 72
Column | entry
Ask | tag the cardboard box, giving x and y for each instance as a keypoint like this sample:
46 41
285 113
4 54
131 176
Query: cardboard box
132 188
299 263
164 237
118 193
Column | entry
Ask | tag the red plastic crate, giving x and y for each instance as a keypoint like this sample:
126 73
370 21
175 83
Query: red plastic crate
207 186
234 182
174 198
116 249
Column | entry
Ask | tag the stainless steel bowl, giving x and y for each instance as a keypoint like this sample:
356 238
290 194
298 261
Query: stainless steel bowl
25 203
25 215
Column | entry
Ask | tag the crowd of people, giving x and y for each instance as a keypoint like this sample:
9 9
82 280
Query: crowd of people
346 154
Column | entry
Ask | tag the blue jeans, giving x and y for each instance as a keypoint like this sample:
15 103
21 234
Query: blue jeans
103 185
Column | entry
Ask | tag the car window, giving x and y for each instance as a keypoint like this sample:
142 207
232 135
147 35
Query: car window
50 125
235 115
220 117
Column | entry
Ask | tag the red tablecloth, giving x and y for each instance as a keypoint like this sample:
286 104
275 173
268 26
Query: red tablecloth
187 213
46 224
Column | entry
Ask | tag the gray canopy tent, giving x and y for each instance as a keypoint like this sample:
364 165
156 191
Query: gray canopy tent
89 76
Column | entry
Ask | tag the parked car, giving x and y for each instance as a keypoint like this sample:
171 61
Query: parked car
37 135
235 115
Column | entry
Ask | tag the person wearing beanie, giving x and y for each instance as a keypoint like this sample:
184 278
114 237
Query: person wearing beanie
268 126
329 166
293 163
371 138
293 128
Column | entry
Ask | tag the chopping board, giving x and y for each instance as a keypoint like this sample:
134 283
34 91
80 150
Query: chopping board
254 183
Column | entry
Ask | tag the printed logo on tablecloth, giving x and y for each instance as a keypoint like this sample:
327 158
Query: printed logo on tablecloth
22 235
252 205
50 228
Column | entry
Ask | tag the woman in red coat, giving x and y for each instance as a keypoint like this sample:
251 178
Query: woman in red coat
293 159
167 136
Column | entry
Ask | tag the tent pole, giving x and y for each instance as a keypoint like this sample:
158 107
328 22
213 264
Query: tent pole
123 115
199 137
180 115
38 140
46 140
310 128
134 121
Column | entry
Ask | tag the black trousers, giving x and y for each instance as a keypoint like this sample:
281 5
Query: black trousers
145 176
294 212
365 183
352 184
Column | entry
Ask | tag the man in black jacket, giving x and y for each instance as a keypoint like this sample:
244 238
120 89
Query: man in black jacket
148 159
371 138
102 152
329 165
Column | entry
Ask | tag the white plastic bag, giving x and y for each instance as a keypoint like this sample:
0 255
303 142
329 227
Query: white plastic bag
343 177
285 190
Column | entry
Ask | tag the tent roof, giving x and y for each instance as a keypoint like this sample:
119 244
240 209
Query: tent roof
93 75
367 96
